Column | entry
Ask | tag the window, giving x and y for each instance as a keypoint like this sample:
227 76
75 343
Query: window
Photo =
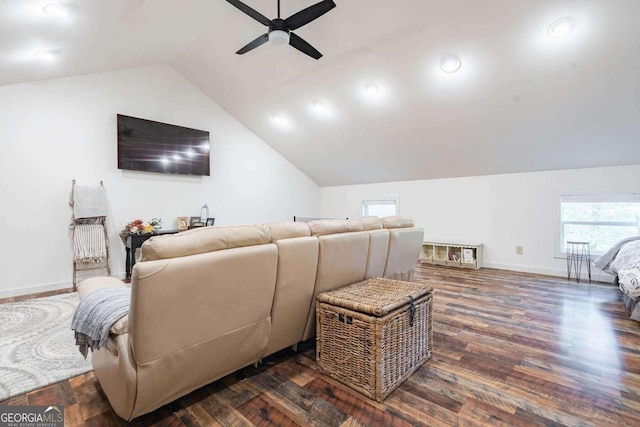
379 208
600 220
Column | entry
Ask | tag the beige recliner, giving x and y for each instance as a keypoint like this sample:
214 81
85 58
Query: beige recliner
209 301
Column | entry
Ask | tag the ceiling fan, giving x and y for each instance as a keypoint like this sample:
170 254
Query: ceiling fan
280 30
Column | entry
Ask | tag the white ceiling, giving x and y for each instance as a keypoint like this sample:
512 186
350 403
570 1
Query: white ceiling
521 101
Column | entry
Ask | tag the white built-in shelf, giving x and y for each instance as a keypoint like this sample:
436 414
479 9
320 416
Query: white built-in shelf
454 254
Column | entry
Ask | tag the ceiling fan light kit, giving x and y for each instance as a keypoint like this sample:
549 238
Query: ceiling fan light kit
279 38
280 31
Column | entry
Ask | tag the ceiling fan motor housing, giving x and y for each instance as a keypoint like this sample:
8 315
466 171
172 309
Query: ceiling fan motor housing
278 24
278 33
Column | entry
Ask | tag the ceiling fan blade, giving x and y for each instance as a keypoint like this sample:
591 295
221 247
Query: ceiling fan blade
251 12
254 44
307 15
303 46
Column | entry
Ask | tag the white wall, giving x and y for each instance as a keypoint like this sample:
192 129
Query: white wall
500 211
56 130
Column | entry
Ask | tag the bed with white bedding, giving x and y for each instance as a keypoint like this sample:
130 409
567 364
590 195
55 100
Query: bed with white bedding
623 261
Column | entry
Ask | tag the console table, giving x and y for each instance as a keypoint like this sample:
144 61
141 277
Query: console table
133 242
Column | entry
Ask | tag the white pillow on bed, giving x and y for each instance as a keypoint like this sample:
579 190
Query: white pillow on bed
629 281
627 257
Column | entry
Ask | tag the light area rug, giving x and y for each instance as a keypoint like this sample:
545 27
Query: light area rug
37 345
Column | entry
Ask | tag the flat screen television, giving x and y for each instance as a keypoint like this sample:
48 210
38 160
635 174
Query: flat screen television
145 145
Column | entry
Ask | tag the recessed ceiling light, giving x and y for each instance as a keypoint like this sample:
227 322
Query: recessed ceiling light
47 55
562 27
372 89
450 64
281 121
59 10
318 106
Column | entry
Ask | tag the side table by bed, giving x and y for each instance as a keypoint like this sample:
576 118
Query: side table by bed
577 253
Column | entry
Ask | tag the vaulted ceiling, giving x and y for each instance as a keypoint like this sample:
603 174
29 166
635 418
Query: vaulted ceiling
521 101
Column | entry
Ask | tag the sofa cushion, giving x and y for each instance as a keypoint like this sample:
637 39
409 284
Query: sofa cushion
332 226
288 230
202 240
342 260
377 256
403 253
370 222
297 267
183 302
398 221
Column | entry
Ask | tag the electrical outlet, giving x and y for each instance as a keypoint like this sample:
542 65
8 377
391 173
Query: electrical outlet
519 250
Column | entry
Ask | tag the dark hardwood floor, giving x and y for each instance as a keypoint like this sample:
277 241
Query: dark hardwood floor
510 349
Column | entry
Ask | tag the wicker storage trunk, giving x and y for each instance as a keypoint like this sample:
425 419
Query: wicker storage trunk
373 335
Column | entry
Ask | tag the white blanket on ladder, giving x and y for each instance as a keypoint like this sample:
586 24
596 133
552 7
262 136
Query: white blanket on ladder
89 245
88 202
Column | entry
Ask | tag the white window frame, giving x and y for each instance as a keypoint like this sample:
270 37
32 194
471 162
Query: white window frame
590 198
380 201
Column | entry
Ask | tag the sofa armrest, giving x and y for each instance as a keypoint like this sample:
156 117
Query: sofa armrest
121 326
93 284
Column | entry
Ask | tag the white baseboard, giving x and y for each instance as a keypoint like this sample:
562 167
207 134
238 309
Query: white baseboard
596 274
29 290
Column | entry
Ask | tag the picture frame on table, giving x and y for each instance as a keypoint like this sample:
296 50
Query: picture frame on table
195 221
210 222
183 223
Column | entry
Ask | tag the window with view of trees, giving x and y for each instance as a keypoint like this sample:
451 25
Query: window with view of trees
600 220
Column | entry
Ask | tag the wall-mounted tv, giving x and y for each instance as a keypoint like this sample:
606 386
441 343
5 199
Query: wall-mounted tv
145 145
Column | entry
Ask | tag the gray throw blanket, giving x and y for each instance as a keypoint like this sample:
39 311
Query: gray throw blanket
605 260
96 313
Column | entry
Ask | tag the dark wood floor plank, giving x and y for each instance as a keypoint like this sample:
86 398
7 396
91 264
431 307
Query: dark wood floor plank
223 413
262 414
490 415
510 349
362 410
421 410
298 401
196 415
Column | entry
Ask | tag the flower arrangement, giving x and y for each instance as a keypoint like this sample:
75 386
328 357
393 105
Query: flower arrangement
139 226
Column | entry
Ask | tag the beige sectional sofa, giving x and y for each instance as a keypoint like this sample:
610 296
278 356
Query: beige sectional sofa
209 301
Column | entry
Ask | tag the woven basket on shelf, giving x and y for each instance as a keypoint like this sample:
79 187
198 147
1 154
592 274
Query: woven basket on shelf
374 334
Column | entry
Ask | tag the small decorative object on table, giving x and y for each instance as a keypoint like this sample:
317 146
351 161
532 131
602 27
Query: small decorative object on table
204 213
196 221
138 226
373 335
183 223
